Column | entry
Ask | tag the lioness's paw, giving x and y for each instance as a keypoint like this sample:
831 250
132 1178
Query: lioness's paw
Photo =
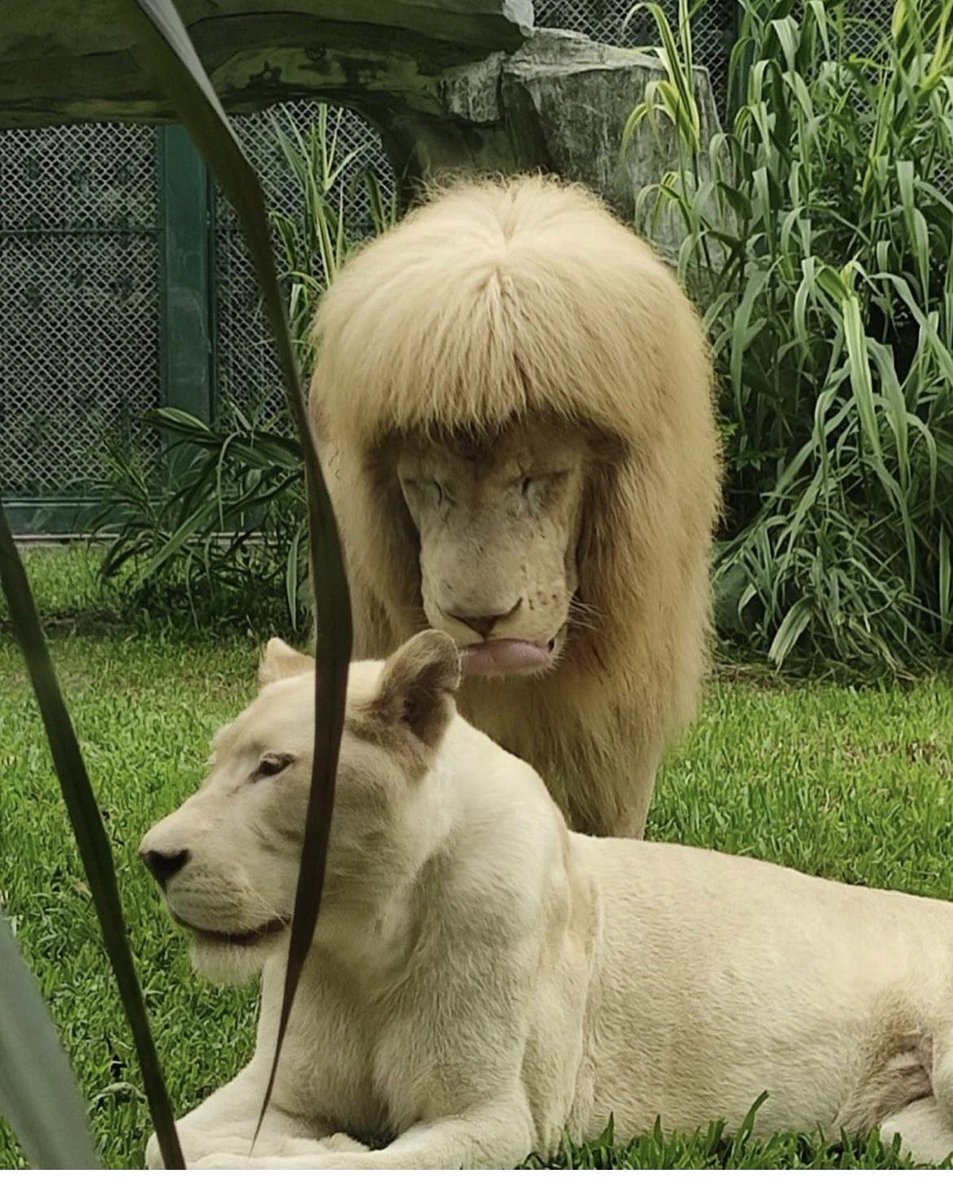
341 1141
224 1161
153 1155
227 1162
314 1159
197 1145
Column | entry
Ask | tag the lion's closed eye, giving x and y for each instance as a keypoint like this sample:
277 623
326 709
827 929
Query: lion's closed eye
272 764
431 490
541 483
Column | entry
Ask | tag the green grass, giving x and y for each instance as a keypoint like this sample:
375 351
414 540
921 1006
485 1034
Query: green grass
65 583
816 232
853 784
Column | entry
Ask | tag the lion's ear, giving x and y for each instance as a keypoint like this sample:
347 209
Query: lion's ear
417 685
279 660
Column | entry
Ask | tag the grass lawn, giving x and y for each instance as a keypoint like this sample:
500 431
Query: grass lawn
857 785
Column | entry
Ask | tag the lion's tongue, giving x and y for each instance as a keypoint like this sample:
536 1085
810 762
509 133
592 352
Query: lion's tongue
504 654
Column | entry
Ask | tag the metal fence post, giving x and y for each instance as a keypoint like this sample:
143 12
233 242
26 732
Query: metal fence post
186 306
738 79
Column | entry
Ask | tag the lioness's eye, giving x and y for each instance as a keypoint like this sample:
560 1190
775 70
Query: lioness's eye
272 764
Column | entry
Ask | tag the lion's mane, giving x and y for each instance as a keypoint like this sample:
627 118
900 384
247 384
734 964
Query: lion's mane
502 302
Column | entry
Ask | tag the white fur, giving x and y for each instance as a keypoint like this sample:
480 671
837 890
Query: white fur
482 979
513 403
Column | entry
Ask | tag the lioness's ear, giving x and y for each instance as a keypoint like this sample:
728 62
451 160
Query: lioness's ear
417 686
279 660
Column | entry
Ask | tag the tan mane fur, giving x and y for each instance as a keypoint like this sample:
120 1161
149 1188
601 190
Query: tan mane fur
502 303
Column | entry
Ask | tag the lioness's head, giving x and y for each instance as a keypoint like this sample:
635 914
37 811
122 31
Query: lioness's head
227 859
498 522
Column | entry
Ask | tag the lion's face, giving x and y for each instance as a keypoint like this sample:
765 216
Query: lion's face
227 859
498 521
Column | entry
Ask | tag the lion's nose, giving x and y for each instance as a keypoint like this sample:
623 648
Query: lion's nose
164 866
483 624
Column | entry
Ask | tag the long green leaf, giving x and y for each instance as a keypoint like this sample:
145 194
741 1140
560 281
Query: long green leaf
88 829
38 1094
165 49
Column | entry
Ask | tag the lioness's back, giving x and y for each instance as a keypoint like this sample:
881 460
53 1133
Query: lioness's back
683 927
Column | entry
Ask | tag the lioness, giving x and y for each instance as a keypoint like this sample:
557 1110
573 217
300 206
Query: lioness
481 979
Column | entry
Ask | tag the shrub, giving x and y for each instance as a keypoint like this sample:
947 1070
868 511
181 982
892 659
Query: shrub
221 536
817 235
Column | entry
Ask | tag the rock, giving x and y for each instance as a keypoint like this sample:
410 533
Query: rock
560 102
65 61
450 84
567 101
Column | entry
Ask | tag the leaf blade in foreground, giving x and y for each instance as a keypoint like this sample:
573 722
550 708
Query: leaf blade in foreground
88 829
38 1094
165 49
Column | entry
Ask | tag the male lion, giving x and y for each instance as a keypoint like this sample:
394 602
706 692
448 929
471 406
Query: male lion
481 979
513 402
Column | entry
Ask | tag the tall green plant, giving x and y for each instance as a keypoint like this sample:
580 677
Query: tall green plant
164 46
817 234
223 537
317 238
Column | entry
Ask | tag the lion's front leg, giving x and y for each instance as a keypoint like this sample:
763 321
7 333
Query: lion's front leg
610 800
225 1124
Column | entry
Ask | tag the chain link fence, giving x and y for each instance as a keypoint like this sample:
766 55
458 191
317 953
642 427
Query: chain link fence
79 277
80 270
247 367
627 24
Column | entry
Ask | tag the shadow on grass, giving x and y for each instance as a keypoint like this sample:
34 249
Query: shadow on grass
74 600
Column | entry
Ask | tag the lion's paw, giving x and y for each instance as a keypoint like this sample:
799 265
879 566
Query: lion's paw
226 1162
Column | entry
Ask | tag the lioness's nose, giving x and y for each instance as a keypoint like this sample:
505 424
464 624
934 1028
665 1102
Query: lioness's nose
164 866
483 624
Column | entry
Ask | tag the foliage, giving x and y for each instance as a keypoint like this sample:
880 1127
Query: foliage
318 236
834 781
163 45
817 233
38 1093
219 538
224 540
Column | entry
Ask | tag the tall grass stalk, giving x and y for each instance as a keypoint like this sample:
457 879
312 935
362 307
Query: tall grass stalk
317 238
164 46
224 538
817 234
